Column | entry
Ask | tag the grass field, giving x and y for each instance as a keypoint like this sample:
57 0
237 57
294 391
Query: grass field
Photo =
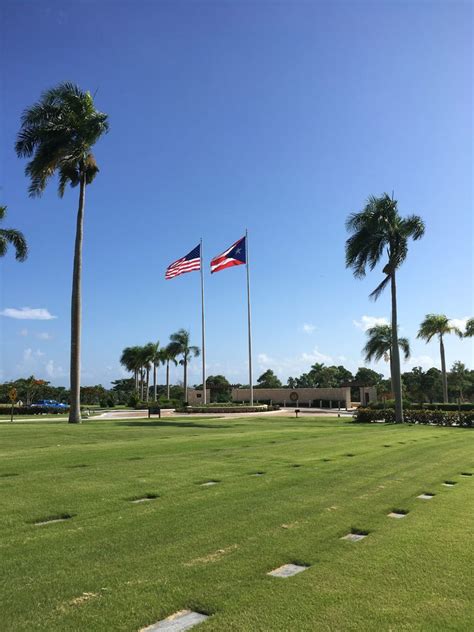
118 565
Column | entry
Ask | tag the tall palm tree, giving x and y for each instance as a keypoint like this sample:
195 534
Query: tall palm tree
379 345
438 325
13 237
57 133
469 332
156 359
169 355
379 230
180 346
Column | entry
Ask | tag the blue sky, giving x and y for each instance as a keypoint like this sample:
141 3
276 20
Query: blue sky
277 117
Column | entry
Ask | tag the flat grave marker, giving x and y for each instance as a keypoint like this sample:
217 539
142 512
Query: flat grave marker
397 514
287 570
425 496
177 622
354 537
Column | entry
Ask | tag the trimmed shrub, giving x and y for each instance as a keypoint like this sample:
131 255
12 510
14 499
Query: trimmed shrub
390 403
463 419
219 408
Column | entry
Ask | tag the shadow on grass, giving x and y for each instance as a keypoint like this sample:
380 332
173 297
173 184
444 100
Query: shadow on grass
168 424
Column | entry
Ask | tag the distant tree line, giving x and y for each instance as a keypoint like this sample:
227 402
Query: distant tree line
418 386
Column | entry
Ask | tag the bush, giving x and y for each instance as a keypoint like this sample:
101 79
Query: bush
32 410
466 406
390 403
133 400
463 419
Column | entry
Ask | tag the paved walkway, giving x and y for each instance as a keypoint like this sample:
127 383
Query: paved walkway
143 414
283 412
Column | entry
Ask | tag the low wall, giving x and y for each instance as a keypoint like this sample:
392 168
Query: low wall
195 397
300 396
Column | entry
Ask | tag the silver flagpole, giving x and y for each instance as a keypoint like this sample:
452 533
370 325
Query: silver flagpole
249 315
204 393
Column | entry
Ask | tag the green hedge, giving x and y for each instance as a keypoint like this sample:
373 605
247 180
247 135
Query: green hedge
415 405
161 403
32 410
463 419
215 408
453 407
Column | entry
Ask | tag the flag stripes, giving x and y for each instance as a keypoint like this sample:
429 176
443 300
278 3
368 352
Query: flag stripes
188 263
235 255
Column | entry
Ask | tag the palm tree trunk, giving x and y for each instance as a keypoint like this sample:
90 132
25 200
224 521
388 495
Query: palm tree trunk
154 382
185 380
76 305
136 381
142 383
147 395
443 370
167 379
396 378
391 368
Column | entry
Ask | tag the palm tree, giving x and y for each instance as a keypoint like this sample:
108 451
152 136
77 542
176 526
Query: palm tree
156 359
13 237
376 231
469 333
130 360
169 355
57 133
146 357
180 346
379 345
438 325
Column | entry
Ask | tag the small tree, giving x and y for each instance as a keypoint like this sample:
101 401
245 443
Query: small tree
180 346
438 325
268 380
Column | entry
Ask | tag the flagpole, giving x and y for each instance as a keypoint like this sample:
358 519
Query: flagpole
204 392
249 316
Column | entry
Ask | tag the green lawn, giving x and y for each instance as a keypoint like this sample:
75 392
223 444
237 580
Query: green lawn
119 566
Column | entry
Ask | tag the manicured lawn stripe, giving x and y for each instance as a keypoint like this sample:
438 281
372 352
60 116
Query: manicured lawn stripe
119 566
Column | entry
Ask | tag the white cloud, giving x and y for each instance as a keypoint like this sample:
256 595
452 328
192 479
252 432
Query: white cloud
292 365
264 361
27 313
425 361
52 370
460 323
308 328
366 322
44 336
23 332
316 356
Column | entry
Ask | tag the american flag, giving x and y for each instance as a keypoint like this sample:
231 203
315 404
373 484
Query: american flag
233 256
188 263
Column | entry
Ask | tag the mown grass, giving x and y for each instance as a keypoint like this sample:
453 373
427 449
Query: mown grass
119 565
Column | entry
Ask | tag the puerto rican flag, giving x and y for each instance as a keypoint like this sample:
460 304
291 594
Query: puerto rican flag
233 256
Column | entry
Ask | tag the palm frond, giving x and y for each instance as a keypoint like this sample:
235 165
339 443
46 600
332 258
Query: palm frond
380 288
404 345
17 240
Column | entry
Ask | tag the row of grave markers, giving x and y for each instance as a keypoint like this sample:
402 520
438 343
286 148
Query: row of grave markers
187 619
